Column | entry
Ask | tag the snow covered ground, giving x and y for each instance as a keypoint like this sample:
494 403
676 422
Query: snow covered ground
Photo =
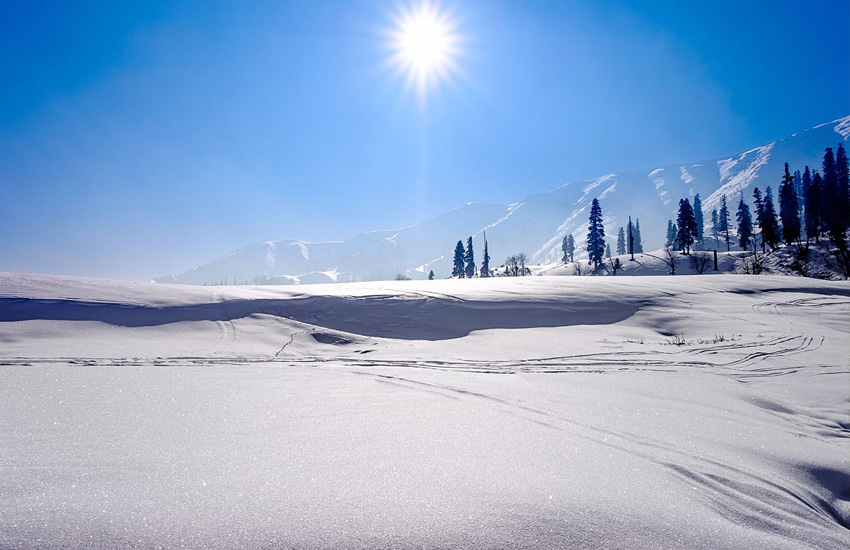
532 412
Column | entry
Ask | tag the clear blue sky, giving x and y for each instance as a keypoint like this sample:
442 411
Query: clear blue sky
141 138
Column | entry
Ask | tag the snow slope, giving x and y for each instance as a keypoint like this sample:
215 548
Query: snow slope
532 412
535 226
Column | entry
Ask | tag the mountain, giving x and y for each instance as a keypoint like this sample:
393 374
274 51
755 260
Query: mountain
535 226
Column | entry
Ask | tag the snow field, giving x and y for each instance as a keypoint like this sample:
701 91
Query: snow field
536 412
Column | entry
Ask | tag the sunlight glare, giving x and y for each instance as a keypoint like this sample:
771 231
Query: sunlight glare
425 46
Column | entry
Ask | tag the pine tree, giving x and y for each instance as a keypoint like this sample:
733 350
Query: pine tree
431 275
485 263
804 193
571 247
842 169
698 218
607 250
788 208
723 220
621 242
745 224
798 189
758 202
595 235
671 233
565 248
458 270
470 260
831 209
813 216
687 226
770 232
638 239
715 227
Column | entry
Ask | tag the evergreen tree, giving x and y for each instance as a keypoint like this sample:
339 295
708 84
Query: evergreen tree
715 227
485 263
638 239
607 250
595 235
788 204
470 260
630 246
758 202
698 218
621 242
431 275
830 209
813 216
842 170
745 224
571 247
723 221
804 192
798 189
565 248
687 226
458 270
770 232
671 233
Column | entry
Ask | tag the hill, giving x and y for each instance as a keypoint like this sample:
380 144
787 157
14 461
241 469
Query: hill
535 226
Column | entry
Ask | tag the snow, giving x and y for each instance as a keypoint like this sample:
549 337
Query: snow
702 412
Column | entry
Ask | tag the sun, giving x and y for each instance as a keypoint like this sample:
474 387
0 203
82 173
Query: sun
425 46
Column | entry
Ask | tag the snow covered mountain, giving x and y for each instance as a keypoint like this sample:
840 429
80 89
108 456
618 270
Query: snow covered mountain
535 226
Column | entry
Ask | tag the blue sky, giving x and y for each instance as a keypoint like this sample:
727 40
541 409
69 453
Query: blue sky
141 138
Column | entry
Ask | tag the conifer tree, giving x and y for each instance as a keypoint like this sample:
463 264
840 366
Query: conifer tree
687 226
715 228
723 221
459 271
671 233
571 247
807 183
565 249
485 263
607 250
431 275
470 260
798 189
621 242
830 209
638 239
788 212
813 218
842 170
595 235
698 218
758 202
770 231
745 224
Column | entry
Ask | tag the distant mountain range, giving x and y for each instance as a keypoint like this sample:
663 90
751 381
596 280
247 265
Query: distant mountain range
535 226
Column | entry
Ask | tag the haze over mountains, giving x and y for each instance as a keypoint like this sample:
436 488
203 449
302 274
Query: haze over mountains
535 226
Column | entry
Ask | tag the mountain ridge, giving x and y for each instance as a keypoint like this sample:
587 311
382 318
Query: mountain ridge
536 225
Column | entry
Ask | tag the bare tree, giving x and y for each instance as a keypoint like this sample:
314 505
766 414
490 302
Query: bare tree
614 264
522 259
699 262
672 255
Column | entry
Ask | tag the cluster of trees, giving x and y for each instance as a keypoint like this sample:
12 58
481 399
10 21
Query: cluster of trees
810 204
597 248
464 261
